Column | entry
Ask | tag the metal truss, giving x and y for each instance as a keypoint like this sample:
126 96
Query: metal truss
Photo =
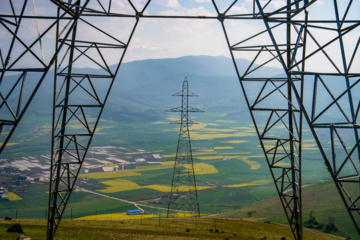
333 116
278 125
23 58
183 196
294 36
335 110
74 119
336 113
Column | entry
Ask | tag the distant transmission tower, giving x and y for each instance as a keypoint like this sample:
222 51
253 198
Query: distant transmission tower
183 197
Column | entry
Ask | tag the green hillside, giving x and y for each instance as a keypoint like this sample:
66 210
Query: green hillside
180 228
321 199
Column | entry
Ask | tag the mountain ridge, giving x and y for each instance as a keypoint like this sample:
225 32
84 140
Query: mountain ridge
142 89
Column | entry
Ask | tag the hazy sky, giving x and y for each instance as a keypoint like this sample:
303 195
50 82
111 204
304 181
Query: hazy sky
169 38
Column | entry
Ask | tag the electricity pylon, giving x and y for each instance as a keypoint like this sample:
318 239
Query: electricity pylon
183 196
278 125
70 145
295 35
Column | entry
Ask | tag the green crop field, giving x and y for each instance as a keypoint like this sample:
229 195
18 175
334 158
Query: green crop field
242 176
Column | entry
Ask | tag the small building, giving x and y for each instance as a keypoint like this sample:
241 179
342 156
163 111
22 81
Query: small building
134 212
123 167
140 160
4 198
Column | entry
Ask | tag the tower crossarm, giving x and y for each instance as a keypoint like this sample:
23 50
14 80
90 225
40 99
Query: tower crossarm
182 109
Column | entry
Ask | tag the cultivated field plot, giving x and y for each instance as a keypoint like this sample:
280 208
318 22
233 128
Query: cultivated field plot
230 169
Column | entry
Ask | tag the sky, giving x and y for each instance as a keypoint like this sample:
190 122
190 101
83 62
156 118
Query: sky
170 38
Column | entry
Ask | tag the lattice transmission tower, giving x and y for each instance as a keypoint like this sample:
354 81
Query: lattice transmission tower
294 35
183 196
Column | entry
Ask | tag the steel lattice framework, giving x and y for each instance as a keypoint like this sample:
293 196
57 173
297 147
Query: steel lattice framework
183 196
294 36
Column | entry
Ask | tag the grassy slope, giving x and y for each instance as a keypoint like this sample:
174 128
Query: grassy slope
168 229
322 198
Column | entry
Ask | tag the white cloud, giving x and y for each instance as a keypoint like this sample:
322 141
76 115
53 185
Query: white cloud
173 4
175 38
239 10
188 12
167 3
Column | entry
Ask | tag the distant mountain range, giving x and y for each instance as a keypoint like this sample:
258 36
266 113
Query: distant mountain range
142 90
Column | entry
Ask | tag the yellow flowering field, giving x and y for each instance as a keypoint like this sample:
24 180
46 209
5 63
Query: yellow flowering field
254 165
116 216
197 126
121 216
227 121
236 141
219 148
162 188
172 119
203 153
159 122
98 129
146 166
203 168
171 130
210 136
232 153
168 155
245 128
155 167
213 124
282 164
76 126
280 148
220 130
171 163
159 188
194 154
253 183
310 146
12 196
206 150
9 144
109 165
250 131
209 157
116 174
121 185
306 146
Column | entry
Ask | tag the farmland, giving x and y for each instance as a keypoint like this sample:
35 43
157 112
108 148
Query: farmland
230 169
12 196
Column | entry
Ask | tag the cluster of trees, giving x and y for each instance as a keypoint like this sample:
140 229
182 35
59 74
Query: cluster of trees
314 224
